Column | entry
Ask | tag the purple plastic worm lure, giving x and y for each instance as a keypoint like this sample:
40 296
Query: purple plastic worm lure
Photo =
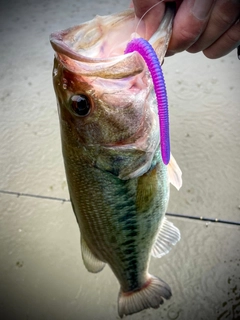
143 47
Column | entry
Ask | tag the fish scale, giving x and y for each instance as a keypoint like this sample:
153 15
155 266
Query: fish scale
101 224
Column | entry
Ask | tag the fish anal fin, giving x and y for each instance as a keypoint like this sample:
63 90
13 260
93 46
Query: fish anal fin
91 263
149 296
168 236
174 173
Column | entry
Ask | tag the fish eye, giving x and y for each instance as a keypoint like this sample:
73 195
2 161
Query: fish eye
80 105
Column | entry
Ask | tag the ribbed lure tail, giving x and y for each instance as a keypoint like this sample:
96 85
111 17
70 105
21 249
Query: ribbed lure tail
150 296
143 47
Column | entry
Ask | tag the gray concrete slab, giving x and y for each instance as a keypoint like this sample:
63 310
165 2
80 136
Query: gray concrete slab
43 277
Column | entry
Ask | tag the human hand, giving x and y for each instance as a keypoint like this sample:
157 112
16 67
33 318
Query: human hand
211 26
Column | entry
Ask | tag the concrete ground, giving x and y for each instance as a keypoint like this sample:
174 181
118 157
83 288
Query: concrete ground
41 272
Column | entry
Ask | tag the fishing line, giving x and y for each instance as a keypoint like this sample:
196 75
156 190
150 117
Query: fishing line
146 13
177 215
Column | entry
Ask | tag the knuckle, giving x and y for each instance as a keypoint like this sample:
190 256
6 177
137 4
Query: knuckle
223 19
234 33
189 35
226 14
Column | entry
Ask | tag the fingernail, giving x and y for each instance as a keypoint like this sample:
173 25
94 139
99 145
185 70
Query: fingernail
201 8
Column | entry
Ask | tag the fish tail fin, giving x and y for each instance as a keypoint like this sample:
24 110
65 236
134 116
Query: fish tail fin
149 296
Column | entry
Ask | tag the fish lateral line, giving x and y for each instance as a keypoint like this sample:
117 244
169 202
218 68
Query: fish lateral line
144 48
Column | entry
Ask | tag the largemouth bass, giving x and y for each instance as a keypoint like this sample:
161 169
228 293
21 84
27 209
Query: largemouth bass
118 184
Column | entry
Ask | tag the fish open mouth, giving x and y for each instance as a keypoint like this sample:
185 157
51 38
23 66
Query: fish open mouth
99 39
91 49
104 39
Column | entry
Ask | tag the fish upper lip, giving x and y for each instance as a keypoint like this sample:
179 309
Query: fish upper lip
60 46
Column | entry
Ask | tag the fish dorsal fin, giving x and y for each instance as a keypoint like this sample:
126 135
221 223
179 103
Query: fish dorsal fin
168 236
174 173
91 263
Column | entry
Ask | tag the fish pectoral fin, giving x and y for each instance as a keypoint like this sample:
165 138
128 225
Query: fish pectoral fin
174 173
91 263
168 236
